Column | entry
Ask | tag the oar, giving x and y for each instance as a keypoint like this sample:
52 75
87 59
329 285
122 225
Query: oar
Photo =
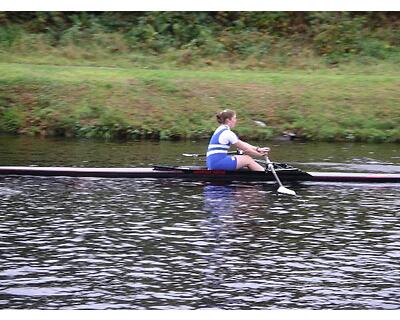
281 188
203 155
194 155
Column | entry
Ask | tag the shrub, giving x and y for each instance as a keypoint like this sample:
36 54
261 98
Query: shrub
11 120
9 35
339 36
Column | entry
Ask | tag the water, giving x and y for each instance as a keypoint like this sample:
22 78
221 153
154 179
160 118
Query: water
86 243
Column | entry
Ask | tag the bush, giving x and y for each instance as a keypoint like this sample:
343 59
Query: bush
374 48
246 42
371 135
280 36
9 35
10 120
339 39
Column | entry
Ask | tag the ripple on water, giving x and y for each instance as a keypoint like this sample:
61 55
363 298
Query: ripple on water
124 243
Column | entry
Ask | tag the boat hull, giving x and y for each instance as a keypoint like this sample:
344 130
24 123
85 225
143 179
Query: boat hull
200 174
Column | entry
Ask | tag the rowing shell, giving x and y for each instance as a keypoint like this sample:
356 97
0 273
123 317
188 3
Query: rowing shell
201 174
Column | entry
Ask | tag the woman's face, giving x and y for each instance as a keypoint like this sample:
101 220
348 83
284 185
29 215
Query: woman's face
231 122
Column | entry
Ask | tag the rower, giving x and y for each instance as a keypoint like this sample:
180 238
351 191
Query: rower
223 138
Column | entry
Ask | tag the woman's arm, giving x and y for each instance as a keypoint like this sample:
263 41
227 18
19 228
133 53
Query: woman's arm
250 149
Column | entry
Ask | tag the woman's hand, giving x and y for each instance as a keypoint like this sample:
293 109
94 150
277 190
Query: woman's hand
263 150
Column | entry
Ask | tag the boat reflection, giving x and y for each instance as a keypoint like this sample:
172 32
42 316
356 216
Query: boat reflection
227 231
224 199
219 199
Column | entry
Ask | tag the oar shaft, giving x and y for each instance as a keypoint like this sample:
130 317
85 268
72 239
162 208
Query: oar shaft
281 189
271 167
201 155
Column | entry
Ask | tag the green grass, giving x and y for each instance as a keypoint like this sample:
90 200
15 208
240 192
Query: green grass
117 102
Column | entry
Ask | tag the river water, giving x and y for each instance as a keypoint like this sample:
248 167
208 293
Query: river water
87 243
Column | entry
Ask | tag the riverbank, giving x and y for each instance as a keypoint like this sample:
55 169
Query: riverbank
133 103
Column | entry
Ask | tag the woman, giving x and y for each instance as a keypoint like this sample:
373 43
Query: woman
223 138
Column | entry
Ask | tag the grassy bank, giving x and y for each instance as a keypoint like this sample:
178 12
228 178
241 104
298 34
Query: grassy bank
178 104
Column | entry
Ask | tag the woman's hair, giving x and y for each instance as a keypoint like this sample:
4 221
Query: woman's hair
224 115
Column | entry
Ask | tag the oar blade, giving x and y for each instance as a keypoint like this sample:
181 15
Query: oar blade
284 190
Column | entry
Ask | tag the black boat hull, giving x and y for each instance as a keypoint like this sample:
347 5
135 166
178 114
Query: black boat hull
201 174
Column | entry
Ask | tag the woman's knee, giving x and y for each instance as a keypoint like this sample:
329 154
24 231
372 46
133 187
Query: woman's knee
248 159
244 160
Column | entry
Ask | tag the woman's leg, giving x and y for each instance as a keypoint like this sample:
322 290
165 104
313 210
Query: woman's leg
247 161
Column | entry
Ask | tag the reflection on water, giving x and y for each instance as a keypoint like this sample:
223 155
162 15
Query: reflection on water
147 244
69 243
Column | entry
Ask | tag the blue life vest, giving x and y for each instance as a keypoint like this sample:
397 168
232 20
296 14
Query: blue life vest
215 147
